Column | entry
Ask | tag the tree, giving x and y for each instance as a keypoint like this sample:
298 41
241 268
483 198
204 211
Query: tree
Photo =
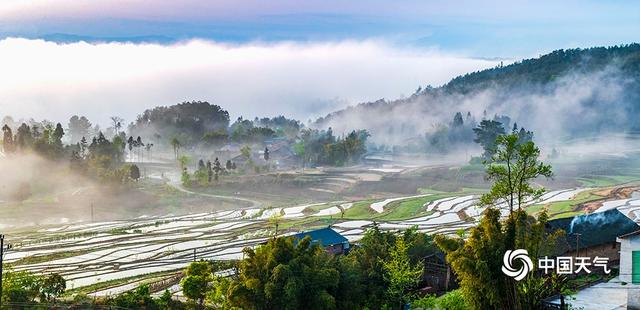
24 138
217 168
140 298
284 275
486 135
196 284
299 150
117 124
7 141
79 126
53 286
477 261
58 133
134 172
512 168
190 121
19 287
457 120
400 274
175 143
245 151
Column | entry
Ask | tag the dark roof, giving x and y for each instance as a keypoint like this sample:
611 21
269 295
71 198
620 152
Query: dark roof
631 234
595 228
323 237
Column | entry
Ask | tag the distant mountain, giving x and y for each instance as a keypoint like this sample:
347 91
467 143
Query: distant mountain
566 93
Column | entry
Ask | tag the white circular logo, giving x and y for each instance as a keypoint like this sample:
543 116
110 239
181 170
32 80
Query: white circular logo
510 257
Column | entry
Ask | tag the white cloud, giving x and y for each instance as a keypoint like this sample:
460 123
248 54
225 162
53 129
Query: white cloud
54 81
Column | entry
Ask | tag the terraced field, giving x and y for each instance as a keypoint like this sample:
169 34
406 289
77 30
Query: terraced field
107 258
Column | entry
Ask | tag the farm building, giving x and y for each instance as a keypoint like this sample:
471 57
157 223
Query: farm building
594 234
327 238
437 275
630 267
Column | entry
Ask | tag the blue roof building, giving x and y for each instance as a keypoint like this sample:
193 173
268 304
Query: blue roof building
327 238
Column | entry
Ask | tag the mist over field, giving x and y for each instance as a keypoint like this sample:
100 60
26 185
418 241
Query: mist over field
320 154
253 79
587 99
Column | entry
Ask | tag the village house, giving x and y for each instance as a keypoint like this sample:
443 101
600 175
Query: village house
437 276
327 238
630 267
594 234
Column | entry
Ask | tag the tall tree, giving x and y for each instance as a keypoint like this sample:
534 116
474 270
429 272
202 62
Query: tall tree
116 122
196 284
512 169
487 134
79 126
175 143
400 274
477 261
7 140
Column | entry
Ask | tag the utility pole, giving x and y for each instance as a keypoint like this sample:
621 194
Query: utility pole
194 255
1 255
2 249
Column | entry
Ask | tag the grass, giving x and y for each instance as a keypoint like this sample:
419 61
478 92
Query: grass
410 208
565 208
360 210
405 208
606 180
397 210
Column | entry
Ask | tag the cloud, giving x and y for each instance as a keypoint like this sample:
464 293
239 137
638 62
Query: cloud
54 81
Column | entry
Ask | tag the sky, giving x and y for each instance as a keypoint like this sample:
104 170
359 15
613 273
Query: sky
301 59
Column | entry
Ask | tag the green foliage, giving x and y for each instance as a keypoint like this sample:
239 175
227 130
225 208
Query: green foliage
245 151
387 265
477 261
188 121
322 147
453 300
20 287
281 275
512 168
487 134
140 298
401 276
184 161
134 172
53 286
215 138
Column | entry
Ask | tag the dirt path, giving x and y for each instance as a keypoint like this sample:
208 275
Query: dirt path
178 185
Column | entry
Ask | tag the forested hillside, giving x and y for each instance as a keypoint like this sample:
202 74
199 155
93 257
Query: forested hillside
600 86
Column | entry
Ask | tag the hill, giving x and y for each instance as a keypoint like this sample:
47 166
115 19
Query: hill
564 94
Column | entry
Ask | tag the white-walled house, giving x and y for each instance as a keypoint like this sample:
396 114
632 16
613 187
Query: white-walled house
630 267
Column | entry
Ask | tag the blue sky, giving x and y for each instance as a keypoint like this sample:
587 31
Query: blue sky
302 59
479 28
